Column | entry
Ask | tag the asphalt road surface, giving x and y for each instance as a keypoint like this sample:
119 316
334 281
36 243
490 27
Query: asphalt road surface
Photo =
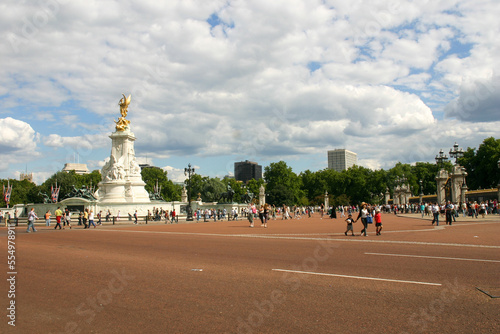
296 276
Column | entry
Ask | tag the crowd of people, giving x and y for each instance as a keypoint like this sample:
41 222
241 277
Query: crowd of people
466 209
365 213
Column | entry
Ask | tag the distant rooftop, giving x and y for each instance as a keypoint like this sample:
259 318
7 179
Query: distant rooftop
77 168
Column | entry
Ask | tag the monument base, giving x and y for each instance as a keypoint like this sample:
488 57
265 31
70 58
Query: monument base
123 192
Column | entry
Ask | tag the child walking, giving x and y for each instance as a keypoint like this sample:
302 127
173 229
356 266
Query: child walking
378 221
349 222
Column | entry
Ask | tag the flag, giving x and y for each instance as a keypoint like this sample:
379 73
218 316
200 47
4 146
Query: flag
55 193
7 192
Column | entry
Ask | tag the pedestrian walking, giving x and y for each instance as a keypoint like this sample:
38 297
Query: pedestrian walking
85 218
266 214
448 212
135 217
250 217
31 220
363 213
261 215
91 218
349 222
333 213
435 214
378 221
58 214
67 218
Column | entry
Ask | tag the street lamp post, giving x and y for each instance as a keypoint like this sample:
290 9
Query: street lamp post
189 171
441 158
456 153
421 195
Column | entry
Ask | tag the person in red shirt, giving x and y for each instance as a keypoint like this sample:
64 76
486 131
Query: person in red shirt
378 221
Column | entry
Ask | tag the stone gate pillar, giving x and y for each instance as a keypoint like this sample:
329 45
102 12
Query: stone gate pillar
458 179
387 196
441 179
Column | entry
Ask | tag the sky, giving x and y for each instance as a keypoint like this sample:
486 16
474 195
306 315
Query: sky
217 82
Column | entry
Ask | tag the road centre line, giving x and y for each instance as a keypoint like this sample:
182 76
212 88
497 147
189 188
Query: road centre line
435 257
357 277
263 236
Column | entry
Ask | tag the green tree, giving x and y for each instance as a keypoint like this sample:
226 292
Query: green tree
171 191
341 200
253 186
21 192
280 177
152 175
197 182
358 186
64 180
314 185
482 164
426 172
212 188
279 195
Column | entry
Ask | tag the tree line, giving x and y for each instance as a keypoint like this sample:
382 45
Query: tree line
283 186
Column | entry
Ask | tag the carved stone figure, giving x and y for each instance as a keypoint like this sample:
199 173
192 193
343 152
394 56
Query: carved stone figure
135 169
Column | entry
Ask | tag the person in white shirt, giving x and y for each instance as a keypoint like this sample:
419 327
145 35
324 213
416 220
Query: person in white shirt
363 213
435 213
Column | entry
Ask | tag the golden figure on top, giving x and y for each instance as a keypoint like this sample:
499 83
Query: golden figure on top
123 123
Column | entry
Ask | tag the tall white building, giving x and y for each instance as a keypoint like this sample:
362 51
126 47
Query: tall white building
341 159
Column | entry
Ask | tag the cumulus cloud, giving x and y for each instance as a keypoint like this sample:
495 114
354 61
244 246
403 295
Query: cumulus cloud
80 143
478 101
251 79
18 142
175 174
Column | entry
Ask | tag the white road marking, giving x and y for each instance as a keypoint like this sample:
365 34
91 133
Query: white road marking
264 236
435 257
358 277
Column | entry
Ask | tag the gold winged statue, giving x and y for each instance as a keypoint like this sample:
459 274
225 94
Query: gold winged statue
123 123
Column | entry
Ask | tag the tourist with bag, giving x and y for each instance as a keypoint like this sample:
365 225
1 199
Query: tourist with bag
363 214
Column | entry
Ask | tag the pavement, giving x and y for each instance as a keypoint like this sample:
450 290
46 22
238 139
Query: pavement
296 276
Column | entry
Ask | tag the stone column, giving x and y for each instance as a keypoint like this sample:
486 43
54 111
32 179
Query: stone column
327 201
441 179
262 195
387 196
457 180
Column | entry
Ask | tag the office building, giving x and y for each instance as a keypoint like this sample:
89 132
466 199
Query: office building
247 170
341 159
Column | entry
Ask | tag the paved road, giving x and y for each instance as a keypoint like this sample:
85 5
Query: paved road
299 276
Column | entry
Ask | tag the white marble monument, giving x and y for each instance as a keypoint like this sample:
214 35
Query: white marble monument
121 180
